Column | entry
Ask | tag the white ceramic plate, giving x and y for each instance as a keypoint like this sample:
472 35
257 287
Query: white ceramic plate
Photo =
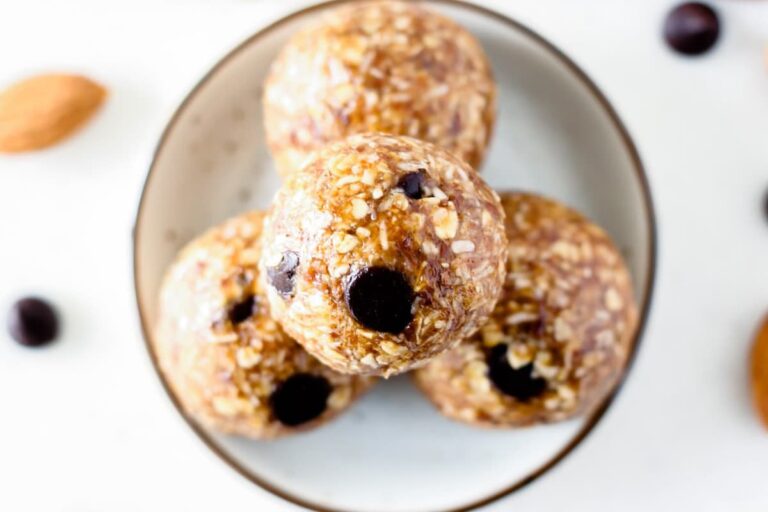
556 134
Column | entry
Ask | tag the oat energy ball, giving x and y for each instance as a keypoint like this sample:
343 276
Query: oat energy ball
382 252
230 365
559 337
390 67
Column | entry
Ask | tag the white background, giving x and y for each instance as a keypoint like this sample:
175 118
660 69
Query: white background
84 423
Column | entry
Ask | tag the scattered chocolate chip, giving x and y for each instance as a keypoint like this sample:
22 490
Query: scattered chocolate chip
33 322
300 398
692 28
413 184
281 276
380 299
243 310
518 383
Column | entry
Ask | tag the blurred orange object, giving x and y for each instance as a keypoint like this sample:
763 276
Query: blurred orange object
759 371
42 110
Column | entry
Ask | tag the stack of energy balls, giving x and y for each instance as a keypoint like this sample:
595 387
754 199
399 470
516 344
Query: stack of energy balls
385 251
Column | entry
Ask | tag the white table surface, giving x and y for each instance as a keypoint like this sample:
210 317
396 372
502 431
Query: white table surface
84 424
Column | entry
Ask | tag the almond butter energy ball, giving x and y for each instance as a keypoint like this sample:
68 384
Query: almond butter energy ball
382 252
560 336
230 365
390 67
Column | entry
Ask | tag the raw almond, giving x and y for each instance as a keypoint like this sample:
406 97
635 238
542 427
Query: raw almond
42 110
759 371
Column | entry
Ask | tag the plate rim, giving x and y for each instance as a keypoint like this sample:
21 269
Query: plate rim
649 285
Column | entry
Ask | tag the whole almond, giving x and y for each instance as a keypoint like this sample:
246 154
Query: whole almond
759 371
42 110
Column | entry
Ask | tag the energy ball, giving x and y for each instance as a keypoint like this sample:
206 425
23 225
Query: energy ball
383 252
229 364
389 67
559 337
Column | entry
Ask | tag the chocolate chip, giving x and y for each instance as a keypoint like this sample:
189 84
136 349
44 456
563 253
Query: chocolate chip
380 299
33 322
300 398
692 28
281 276
518 383
243 310
413 184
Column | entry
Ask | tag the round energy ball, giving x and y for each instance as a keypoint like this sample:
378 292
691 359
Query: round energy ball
560 335
230 365
382 252
389 67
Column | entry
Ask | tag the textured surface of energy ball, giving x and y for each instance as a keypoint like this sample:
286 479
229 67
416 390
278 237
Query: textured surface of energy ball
389 67
230 365
382 252
560 335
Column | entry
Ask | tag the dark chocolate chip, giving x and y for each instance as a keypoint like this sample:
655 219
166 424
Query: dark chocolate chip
518 383
380 299
692 28
243 310
300 398
413 184
281 276
33 322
